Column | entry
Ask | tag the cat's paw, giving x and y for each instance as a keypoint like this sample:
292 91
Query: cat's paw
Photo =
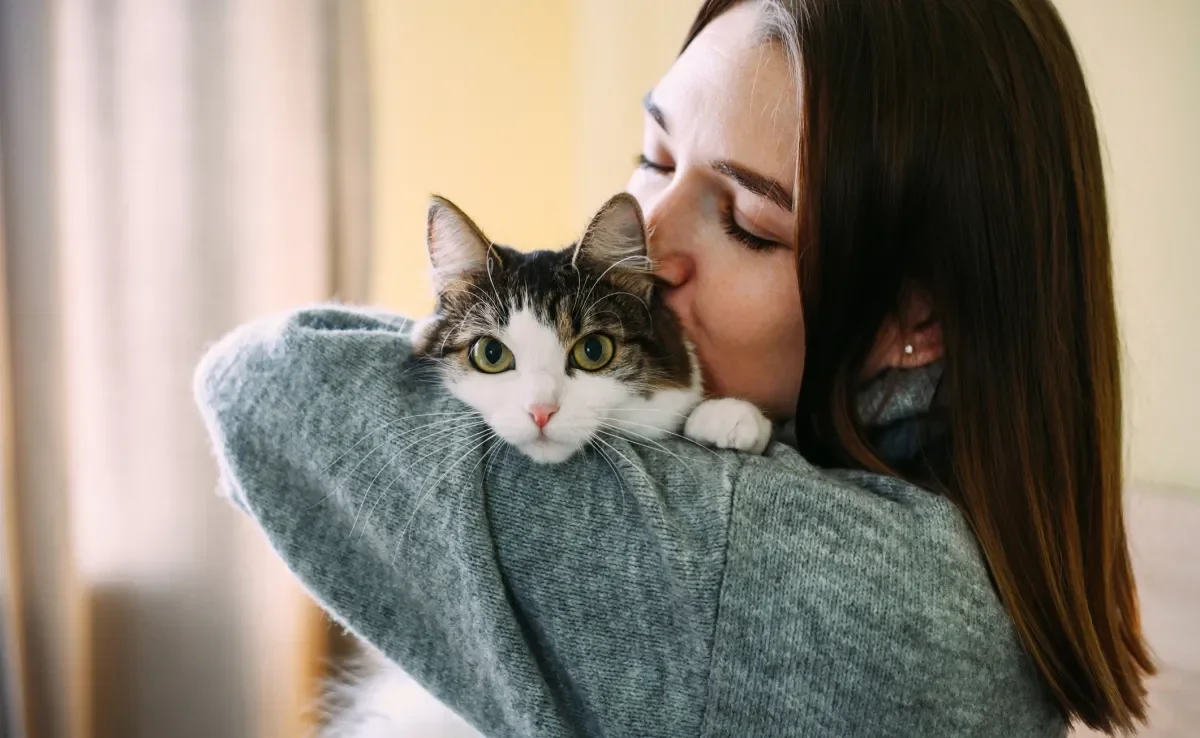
729 423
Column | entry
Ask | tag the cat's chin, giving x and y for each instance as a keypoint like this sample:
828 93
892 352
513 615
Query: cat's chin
547 451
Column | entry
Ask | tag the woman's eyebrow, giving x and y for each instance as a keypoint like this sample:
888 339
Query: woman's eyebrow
756 183
654 111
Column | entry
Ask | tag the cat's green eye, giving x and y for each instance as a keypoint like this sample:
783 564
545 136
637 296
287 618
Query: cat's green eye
593 352
490 356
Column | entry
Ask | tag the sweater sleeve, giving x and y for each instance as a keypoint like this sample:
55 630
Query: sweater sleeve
579 598
635 590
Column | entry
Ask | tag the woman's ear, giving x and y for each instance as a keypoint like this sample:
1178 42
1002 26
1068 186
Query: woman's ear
909 338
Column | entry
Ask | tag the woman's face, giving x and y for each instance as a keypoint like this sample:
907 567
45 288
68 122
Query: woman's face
716 184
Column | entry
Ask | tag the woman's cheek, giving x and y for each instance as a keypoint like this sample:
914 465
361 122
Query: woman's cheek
769 300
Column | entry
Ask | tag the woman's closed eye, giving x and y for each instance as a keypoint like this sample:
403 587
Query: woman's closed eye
744 236
747 236
645 162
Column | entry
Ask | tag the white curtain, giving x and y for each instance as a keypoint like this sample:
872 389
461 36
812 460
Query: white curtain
170 169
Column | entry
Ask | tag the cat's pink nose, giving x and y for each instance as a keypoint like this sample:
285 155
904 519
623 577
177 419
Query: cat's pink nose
541 413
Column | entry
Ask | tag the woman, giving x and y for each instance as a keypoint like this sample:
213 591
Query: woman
850 203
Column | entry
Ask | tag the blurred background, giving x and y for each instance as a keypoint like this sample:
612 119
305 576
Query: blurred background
171 168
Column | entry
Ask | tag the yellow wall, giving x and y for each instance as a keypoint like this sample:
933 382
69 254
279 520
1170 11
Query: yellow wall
470 101
1143 65
622 47
527 114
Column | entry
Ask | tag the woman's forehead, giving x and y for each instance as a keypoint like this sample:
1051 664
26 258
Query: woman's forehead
732 96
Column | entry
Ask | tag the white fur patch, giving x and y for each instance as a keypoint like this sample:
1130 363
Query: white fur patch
420 332
729 423
385 702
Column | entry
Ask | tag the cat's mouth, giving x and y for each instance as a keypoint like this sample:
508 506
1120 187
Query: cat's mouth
546 450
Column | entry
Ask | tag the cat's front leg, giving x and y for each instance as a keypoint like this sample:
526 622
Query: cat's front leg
729 423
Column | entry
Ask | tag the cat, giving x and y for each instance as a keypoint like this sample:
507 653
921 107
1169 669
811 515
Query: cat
555 350
556 347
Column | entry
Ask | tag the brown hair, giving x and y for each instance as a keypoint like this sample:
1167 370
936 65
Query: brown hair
951 145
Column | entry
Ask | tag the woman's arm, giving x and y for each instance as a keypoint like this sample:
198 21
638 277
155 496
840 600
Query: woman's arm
534 600
582 598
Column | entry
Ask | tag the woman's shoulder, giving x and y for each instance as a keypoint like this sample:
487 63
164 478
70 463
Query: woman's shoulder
867 518
851 586
889 554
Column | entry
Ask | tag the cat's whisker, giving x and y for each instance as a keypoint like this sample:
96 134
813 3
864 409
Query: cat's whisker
402 434
616 474
643 411
392 422
422 366
611 267
472 290
448 427
627 460
649 443
457 417
620 321
430 382
457 328
435 435
430 489
450 415
645 441
595 281
614 294
491 279
364 437
494 452
506 448
473 325
383 492
673 435
603 274
651 446
426 380
632 441
421 499
418 364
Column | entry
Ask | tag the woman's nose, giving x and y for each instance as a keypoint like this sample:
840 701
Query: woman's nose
674 269
670 240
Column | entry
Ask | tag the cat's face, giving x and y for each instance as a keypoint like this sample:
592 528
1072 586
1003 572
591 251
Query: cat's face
557 348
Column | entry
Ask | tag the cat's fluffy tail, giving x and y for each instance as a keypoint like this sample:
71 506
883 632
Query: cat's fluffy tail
378 700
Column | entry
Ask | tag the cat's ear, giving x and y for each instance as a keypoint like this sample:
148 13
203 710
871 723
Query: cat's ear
456 244
617 236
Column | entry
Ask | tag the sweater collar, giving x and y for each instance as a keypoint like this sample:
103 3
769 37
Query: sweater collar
894 409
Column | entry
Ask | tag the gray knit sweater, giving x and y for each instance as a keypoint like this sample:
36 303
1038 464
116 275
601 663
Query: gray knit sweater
695 593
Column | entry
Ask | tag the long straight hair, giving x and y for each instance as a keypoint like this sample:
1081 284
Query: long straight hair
951 146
